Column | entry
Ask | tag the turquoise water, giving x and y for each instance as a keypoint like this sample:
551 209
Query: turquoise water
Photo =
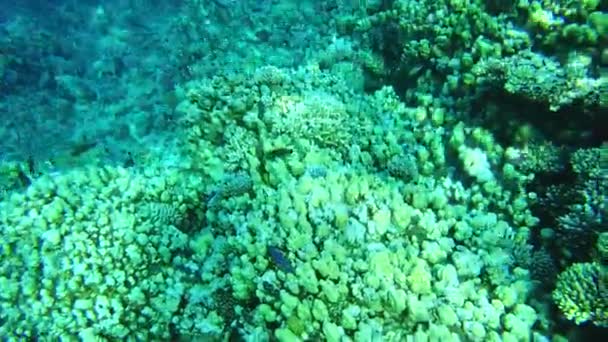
355 170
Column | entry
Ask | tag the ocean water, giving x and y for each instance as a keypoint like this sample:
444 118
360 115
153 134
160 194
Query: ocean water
312 170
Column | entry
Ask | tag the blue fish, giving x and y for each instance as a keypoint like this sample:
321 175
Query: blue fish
280 260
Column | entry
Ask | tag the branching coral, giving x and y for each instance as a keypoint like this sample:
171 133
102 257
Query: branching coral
581 296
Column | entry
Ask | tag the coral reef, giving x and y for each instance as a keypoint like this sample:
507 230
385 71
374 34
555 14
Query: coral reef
288 170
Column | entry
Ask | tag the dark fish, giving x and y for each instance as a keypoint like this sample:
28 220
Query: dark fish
130 162
279 152
31 165
81 148
23 178
279 259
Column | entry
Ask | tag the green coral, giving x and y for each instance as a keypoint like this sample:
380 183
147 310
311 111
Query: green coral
397 223
541 79
439 46
366 248
433 37
562 23
586 163
403 167
580 294
78 250
314 115
543 157
143 254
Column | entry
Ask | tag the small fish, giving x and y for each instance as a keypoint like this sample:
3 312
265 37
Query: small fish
23 178
31 165
81 148
280 260
129 162
279 152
